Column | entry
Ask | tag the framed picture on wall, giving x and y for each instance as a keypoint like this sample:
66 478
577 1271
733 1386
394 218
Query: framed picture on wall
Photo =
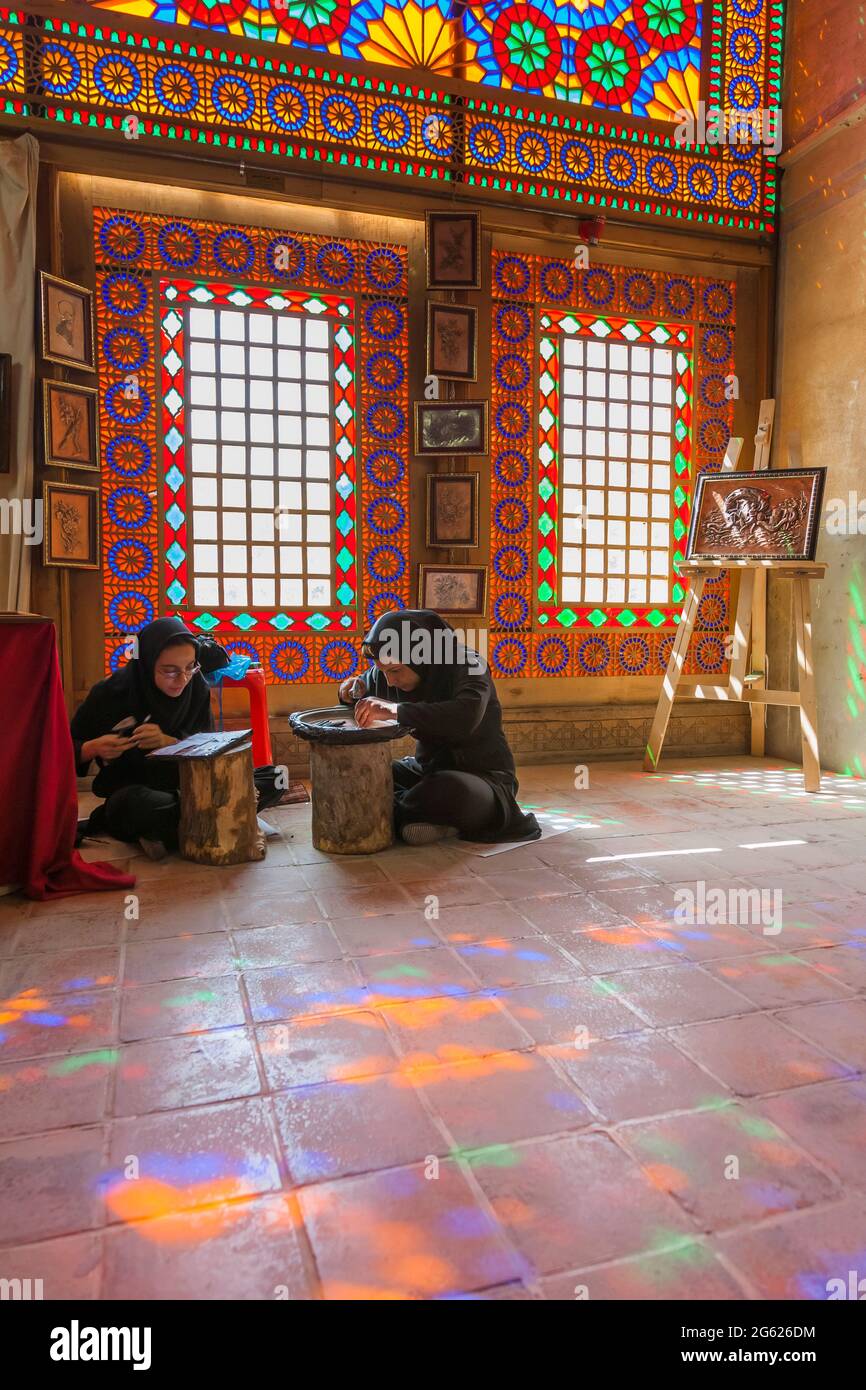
5 412
452 509
68 335
71 426
71 522
446 428
452 349
453 241
769 515
453 589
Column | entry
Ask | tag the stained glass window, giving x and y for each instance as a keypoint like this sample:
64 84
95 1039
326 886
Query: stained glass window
120 85
617 444
608 394
256 481
260 451
640 57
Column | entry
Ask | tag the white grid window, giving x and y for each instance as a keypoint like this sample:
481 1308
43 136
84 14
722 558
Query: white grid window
259 424
617 411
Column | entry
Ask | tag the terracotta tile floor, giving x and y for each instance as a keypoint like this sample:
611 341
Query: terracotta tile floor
429 1074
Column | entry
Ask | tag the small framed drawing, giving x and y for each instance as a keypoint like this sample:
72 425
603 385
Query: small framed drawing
71 521
446 428
453 589
452 509
5 411
452 350
453 241
71 426
68 335
771 515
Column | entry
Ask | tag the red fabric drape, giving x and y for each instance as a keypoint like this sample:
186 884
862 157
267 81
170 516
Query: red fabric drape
38 797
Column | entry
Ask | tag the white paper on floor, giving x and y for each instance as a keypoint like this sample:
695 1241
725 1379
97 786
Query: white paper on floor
551 822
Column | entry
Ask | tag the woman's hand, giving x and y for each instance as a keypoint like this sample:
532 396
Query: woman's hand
150 736
107 748
345 691
372 711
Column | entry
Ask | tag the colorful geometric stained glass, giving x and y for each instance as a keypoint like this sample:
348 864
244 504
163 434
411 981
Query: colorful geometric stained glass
152 88
649 601
638 57
538 302
149 270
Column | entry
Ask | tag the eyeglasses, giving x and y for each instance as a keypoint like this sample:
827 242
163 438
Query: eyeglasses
174 673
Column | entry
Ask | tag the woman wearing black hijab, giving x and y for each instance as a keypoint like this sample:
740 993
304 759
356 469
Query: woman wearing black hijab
462 777
154 700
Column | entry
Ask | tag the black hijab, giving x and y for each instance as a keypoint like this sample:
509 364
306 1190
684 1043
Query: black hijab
136 681
411 635
455 685
132 691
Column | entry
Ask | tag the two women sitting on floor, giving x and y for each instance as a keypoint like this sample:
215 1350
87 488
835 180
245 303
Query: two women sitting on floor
460 781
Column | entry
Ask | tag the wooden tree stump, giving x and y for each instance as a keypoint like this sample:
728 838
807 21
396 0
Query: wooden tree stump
353 797
218 809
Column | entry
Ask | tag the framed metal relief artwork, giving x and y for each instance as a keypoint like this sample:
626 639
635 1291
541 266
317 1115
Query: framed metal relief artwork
452 348
453 242
71 520
68 336
771 515
452 509
448 428
453 589
71 425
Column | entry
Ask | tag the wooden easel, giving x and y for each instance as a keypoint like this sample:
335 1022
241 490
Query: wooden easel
748 687
741 686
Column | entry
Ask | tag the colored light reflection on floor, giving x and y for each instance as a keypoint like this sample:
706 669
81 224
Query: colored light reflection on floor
783 783
32 1008
159 1185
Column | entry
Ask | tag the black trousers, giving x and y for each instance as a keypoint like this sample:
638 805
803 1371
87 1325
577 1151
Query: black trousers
443 798
136 812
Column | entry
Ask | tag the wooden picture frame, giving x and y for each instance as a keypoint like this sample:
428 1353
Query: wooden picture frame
453 590
70 424
453 244
68 334
70 514
452 341
449 429
452 509
771 514
5 412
